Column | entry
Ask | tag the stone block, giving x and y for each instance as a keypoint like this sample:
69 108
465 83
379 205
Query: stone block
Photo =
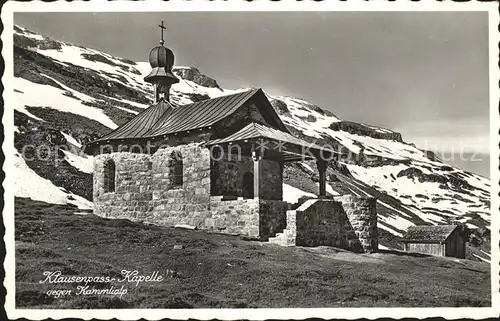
201 191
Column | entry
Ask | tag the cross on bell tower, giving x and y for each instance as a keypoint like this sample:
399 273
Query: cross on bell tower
162 27
161 77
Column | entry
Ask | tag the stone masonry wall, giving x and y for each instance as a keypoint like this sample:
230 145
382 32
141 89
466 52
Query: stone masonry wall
133 194
189 204
272 217
324 222
240 216
347 222
362 214
143 194
256 218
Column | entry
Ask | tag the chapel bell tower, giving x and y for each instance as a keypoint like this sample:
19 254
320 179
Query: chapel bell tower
161 60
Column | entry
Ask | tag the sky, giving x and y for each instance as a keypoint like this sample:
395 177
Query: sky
423 74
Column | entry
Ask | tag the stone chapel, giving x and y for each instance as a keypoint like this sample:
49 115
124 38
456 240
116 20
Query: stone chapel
217 164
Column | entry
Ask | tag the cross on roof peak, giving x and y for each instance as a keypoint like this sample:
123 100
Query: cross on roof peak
162 27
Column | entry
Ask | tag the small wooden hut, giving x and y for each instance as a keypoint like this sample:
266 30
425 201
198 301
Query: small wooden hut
440 240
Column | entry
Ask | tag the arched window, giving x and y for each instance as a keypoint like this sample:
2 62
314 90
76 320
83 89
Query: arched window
176 170
109 176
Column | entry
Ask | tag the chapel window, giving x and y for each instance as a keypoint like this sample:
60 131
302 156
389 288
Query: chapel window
176 170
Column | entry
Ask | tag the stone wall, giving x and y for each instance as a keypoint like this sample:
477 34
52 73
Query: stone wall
272 217
346 222
143 194
133 179
324 222
362 214
189 204
240 216
142 187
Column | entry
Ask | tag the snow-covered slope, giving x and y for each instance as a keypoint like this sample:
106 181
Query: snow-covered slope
75 94
29 184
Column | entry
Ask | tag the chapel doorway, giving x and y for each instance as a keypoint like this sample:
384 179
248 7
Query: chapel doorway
247 190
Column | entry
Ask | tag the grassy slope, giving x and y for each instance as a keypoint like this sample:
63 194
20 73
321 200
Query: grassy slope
214 270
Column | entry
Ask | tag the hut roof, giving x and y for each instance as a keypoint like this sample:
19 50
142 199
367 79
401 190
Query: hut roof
255 130
428 233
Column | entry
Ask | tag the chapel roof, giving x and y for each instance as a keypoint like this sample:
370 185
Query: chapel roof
199 114
140 124
165 118
430 233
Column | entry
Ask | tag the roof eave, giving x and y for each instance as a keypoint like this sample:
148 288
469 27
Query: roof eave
423 241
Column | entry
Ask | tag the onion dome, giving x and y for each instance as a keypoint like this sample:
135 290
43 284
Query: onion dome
161 56
161 60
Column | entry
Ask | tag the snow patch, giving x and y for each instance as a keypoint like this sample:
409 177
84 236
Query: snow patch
37 95
82 163
481 258
330 190
29 184
71 140
127 110
292 194
390 230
